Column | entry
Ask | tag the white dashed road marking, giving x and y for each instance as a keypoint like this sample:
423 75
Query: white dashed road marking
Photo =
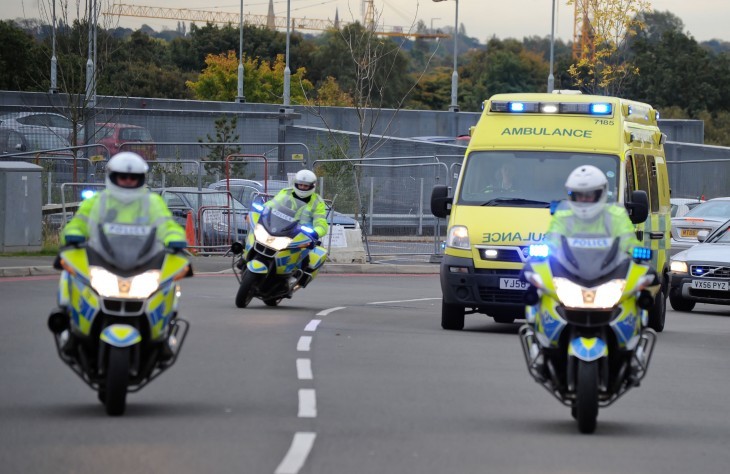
330 310
307 403
304 369
304 343
312 325
300 447
403 301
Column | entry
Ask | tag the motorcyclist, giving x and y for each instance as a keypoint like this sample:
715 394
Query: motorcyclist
588 211
313 214
126 200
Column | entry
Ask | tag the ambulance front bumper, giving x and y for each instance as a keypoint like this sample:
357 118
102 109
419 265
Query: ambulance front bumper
488 289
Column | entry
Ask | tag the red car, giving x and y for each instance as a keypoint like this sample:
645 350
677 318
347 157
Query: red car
114 135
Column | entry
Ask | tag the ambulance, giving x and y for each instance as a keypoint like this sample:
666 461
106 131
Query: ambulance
520 154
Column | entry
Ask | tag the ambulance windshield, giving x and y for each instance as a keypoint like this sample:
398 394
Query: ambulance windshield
528 178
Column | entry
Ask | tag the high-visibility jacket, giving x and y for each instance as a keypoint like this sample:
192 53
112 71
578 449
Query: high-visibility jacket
613 221
313 213
149 209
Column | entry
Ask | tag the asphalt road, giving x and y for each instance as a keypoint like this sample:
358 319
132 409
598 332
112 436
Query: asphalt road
353 375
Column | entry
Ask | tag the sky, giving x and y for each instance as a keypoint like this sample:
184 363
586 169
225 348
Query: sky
482 19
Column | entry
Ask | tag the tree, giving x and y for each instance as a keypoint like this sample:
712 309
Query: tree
20 59
263 82
604 64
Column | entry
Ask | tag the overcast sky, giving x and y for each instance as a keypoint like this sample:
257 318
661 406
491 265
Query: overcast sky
703 19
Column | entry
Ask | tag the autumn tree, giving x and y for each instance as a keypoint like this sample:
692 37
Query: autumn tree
603 62
263 81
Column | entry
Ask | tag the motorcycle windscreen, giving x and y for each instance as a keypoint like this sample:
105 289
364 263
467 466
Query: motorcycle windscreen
282 219
126 246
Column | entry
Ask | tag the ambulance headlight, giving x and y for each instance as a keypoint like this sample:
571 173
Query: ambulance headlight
458 238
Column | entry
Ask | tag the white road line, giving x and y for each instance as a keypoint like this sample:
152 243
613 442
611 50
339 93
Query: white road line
307 403
312 325
298 452
403 301
305 342
304 369
330 310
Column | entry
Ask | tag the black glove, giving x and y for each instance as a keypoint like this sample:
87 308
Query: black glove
75 240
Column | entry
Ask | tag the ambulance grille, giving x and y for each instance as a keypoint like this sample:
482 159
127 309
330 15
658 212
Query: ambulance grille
503 255
495 295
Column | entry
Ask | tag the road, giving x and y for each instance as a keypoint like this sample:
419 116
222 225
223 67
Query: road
353 375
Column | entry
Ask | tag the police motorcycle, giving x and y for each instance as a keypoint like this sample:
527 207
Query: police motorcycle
273 263
586 338
117 325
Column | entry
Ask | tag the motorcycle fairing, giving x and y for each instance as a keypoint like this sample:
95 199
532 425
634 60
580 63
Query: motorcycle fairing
548 323
120 335
257 266
161 306
588 349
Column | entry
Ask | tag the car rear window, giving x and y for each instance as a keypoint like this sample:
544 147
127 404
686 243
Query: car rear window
711 209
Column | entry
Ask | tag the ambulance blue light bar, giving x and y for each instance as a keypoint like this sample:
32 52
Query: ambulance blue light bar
575 108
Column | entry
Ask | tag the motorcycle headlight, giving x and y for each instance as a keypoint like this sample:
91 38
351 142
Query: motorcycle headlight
458 238
109 285
276 243
606 295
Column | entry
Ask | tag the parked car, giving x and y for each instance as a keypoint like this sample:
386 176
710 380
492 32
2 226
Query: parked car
113 135
248 190
701 274
219 213
462 140
681 206
705 216
29 138
57 124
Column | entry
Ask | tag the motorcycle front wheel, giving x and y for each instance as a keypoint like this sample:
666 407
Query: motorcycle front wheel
245 289
117 379
586 408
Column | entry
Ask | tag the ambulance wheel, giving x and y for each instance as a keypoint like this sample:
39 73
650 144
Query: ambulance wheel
658 313
452 317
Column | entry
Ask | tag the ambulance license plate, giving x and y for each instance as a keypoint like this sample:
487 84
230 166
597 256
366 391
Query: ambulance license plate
710 285
512 284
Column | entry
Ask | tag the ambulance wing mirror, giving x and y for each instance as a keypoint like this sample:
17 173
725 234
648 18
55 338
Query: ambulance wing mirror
441 201
638 208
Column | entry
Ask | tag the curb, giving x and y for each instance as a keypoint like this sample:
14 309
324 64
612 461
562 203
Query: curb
28 271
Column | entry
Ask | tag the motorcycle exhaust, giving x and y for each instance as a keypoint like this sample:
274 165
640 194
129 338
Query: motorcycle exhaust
58 322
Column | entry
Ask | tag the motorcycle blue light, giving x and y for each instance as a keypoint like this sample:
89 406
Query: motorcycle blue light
516 107
642 253
306 230
600 109
538 250
257 206
87 193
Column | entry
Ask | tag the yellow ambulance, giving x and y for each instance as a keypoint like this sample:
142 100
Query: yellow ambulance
520 154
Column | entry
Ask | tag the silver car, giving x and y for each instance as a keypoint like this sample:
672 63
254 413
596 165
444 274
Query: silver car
707 216
701 274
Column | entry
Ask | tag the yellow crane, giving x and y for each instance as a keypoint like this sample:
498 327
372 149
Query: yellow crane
267 21
583 46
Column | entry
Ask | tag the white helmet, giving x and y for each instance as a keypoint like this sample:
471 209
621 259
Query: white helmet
304 183
123 166
587 191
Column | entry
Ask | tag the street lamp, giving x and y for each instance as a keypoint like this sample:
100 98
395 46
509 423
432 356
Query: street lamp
240 97
287 71
54 74
454 107
551 78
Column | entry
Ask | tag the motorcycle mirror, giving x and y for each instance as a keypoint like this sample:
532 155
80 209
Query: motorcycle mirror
236 248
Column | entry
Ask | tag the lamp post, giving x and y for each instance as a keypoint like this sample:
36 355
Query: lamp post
432 23
54 75
551 78
240 97
91 60
287 71
454 107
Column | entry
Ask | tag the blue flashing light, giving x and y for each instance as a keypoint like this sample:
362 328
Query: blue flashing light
87 193
306 230
257 206
642 253
600 109
538 250
516 107
698 271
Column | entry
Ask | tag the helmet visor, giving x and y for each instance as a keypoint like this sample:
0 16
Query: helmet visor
127 180
586 196
304 186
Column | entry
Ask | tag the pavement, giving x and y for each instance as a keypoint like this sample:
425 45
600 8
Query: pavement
33 265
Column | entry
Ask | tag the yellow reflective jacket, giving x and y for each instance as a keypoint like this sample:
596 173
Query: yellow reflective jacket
613 221
150 209
313 214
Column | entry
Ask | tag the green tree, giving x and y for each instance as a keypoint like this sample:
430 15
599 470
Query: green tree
225 132
20 61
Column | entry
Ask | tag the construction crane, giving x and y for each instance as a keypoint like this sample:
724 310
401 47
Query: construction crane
266 21
583 46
